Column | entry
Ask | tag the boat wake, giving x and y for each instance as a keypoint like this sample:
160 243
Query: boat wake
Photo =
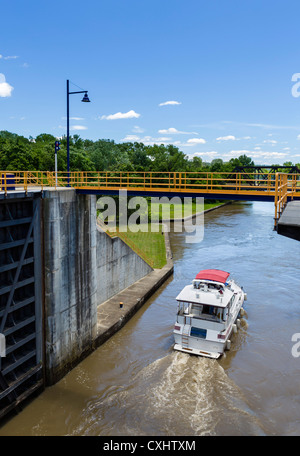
179 391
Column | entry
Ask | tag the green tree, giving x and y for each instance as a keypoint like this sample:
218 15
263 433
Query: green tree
196 164
167 158
217 165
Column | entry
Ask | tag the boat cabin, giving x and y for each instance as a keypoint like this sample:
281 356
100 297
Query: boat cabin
209 297
203 311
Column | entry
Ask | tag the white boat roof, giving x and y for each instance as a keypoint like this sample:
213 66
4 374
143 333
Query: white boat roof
209 297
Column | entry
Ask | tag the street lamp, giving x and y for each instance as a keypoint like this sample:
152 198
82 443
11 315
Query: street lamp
85 99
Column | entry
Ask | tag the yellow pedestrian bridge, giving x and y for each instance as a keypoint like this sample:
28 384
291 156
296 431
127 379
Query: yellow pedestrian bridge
278 187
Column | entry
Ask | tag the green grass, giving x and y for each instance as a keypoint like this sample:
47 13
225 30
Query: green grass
173 211
151 244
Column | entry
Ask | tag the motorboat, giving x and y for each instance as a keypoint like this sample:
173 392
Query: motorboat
209 311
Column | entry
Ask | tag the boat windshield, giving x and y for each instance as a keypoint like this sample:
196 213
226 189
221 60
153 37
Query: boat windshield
207 312
203 311
205 286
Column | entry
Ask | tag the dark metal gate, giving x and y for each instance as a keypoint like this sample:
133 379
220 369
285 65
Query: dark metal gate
21 328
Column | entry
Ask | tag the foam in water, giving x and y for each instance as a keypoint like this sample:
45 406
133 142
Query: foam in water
177 392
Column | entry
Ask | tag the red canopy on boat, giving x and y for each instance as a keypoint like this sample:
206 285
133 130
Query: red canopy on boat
213 274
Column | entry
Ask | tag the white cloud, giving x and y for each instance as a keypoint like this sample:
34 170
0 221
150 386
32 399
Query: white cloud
78 127
9 57
131 138
20 118
270 141
237 153
270 126
147 140
255 154
137 129
166 103
194 141
169 131
209 154
5 88
298 137
122 115
226 138
231 138
174 131
273 154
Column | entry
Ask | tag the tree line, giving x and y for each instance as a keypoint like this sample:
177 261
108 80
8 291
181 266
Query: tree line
37 154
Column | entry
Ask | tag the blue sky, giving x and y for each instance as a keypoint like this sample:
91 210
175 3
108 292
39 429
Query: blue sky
227 66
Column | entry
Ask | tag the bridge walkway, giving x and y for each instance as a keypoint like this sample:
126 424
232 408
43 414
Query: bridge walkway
289 222
258 186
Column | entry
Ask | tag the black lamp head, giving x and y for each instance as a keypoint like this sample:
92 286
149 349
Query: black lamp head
86 98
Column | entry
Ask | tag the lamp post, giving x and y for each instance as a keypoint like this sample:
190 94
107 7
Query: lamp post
85 99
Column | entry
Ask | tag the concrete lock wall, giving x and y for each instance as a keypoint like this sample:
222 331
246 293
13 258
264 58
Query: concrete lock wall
83 267
118 266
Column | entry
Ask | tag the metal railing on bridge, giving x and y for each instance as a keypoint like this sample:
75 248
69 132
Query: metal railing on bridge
280 186
285 189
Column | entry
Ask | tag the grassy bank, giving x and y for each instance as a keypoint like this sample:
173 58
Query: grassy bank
151 245
168 211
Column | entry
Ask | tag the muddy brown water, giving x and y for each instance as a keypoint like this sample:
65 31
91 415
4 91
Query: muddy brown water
135 384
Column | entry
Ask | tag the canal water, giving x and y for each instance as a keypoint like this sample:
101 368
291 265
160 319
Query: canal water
135 384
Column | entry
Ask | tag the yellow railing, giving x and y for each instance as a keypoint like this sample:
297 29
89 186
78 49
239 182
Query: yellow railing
231 183
286 187
281 186
25 180
188 182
